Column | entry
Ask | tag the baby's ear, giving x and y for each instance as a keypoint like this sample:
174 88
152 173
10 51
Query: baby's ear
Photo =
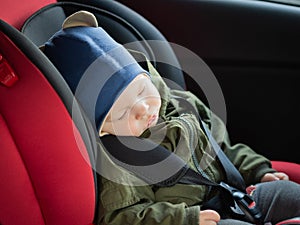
80 18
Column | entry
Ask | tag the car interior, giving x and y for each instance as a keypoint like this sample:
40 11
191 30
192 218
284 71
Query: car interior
48 155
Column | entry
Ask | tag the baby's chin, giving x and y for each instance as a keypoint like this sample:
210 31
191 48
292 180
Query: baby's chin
140 132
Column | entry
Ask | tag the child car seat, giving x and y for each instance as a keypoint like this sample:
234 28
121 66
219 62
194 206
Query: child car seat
43 196
124 25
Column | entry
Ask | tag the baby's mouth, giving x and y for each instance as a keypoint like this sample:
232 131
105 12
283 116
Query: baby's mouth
151 120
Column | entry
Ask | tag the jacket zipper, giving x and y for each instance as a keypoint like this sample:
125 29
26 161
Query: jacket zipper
191 148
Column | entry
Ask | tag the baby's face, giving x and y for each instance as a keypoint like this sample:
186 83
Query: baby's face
135 110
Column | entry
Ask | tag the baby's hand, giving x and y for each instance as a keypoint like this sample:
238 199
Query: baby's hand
208 217
274 176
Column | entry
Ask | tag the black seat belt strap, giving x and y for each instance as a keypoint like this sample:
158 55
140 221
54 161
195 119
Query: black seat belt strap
234 177
147 160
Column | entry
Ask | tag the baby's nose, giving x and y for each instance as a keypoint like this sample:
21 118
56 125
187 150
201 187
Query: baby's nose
140 109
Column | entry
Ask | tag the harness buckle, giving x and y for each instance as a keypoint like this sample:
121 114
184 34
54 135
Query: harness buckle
243 205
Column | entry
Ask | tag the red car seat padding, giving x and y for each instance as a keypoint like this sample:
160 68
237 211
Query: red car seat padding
17 195
45 174
291 169
16 12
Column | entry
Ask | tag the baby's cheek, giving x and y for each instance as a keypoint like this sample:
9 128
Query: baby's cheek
136 129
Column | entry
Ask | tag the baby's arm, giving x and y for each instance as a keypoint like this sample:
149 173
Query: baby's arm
208 217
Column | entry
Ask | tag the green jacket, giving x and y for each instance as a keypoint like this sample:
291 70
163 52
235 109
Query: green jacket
125 200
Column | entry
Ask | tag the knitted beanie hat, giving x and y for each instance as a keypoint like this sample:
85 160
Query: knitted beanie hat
95 66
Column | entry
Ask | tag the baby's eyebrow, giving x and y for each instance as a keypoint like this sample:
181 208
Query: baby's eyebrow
109 117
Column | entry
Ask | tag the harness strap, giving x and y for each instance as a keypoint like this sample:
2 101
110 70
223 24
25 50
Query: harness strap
233 176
